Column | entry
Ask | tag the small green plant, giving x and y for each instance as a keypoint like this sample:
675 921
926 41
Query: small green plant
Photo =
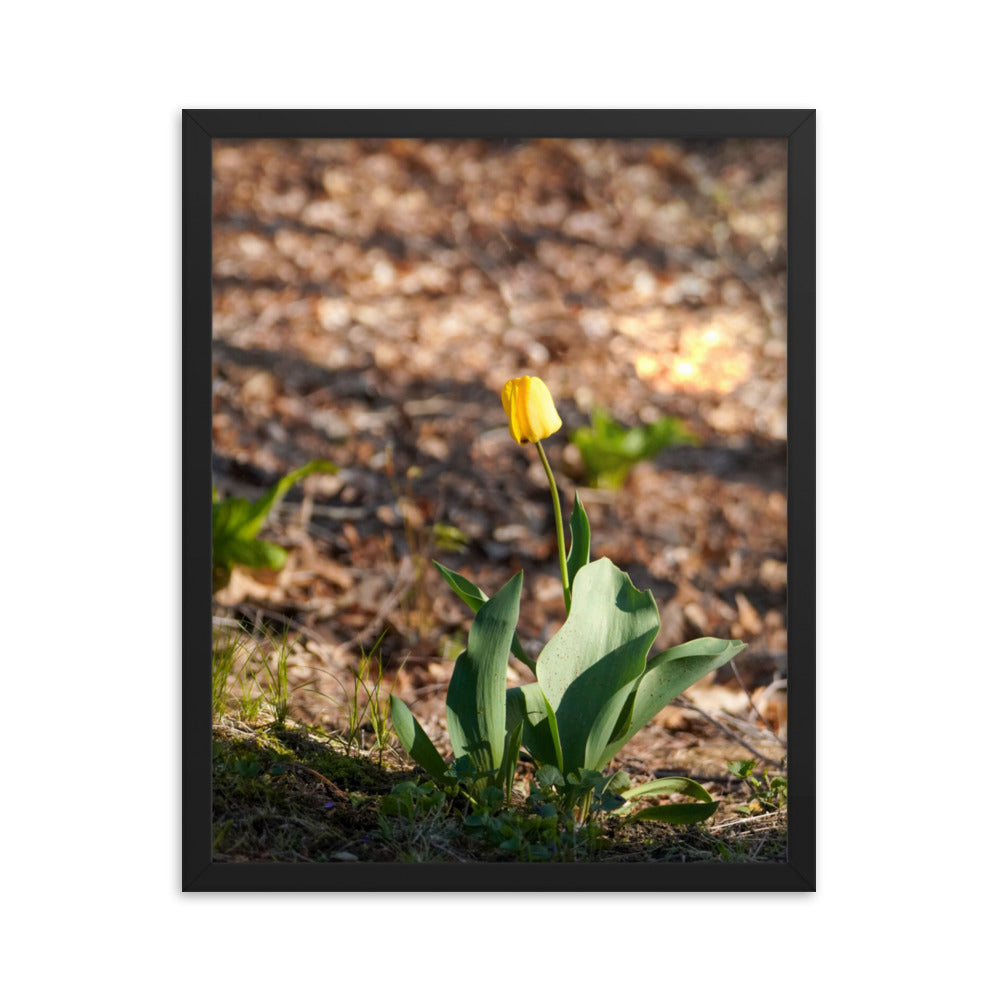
767 793
542 829
366 700
225 649
609 449
276 687
448 538
253 671
545 830
236 522
595 686
416 819
413 800
584 791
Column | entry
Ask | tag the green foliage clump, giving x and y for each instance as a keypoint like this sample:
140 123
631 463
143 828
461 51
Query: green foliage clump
767 793
250 672
595 689
236 522
609 449
542 829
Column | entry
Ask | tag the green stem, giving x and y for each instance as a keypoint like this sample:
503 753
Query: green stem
560 538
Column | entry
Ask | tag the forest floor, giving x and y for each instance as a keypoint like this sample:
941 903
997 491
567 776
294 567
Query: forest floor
371 298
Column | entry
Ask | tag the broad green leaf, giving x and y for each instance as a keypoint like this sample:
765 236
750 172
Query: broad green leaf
475 598
255 553
585 778
228 516
618 783
491 797
579 549
624 717
540 736
476 700
588 669
548 775
665 677
464 769
678 813
236 521
415 741
262 507
677 785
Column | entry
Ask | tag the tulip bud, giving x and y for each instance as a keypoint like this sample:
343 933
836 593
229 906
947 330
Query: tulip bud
528 404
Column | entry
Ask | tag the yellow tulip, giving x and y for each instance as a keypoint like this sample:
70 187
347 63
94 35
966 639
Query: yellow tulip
528 404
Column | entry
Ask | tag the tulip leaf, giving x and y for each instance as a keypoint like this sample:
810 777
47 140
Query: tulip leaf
676 785
618 783
512 747
579 549
588 669
666 676
476 700
541 732
475 598
415 741
678 813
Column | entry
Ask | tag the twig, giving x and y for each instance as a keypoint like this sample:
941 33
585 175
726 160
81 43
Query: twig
327 511
750 729
340 793
743 820
753 707
684 703
258 615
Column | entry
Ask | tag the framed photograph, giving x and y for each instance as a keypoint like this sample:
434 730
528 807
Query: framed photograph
507 579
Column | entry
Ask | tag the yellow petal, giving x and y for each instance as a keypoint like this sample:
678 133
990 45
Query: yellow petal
508 391
529 407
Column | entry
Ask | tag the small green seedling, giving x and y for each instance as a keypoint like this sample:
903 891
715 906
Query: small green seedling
767 793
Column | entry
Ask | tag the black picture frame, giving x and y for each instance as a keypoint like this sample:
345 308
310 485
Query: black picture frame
199 128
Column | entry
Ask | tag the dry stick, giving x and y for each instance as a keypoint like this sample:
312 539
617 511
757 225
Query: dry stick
748 819
684 703
749 729
739 680
257 613
322 777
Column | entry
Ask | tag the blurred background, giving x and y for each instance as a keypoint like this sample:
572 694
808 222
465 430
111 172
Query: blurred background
372 297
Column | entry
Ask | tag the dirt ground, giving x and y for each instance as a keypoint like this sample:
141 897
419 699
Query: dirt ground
370 300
